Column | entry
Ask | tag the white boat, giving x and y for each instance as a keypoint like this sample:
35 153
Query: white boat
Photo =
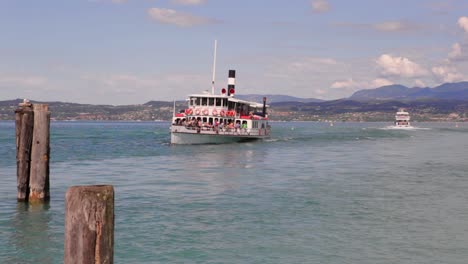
211 118
402 119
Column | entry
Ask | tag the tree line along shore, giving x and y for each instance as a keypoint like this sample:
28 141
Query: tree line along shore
337 110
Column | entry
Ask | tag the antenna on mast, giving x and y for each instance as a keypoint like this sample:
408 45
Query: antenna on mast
214 68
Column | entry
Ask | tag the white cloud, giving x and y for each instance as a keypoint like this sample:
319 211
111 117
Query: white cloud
385 27
463 23
379 82
419 83
456 51
394 26
170 16
320 6
189 2
310 64
345 84
351 84
400 66
25 81
447 74
320 92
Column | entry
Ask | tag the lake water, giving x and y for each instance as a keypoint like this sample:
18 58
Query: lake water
313 193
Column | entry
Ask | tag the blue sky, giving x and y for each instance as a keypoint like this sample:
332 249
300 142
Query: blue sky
130 52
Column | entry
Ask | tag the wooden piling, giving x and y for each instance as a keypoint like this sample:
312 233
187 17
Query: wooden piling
24 118
89 224
40 151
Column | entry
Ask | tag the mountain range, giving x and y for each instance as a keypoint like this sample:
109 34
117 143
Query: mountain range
444 102
396 92
446 91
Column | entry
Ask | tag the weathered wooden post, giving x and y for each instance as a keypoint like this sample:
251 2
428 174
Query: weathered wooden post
24 118
89 224
40 151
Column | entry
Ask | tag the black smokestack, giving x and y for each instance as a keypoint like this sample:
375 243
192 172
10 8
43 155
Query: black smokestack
232 82
264 107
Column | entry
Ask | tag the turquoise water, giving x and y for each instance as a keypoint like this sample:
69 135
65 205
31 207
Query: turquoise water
313 193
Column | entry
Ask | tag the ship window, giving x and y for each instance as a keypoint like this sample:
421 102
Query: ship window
225 102
204 101
218 101
211 101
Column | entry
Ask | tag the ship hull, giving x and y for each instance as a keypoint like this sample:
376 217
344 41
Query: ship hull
185 136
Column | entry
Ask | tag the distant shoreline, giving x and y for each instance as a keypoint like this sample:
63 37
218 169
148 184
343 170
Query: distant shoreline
336 111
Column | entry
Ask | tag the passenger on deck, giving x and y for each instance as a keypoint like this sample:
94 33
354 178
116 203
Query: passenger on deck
244 126
230 126
193 123
237 126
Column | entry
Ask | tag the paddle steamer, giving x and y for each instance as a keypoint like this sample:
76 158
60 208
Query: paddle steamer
211 118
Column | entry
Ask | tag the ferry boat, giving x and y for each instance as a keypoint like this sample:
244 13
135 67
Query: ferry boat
402 119
211 118
220 118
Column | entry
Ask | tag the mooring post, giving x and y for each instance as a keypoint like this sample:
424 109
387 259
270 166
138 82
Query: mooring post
40 151
89 224
24 119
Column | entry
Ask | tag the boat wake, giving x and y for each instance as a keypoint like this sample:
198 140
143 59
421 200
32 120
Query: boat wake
410 128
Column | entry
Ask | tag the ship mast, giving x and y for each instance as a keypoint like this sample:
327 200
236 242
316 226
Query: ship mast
214 68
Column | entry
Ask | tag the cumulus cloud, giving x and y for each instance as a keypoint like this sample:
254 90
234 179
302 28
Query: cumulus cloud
456 52
320 6
447 74
463 23
419 83
170 16
345 84
351 84
379 82
189 2
400 66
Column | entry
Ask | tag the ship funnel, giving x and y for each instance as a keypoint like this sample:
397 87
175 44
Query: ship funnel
264 107
231 83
